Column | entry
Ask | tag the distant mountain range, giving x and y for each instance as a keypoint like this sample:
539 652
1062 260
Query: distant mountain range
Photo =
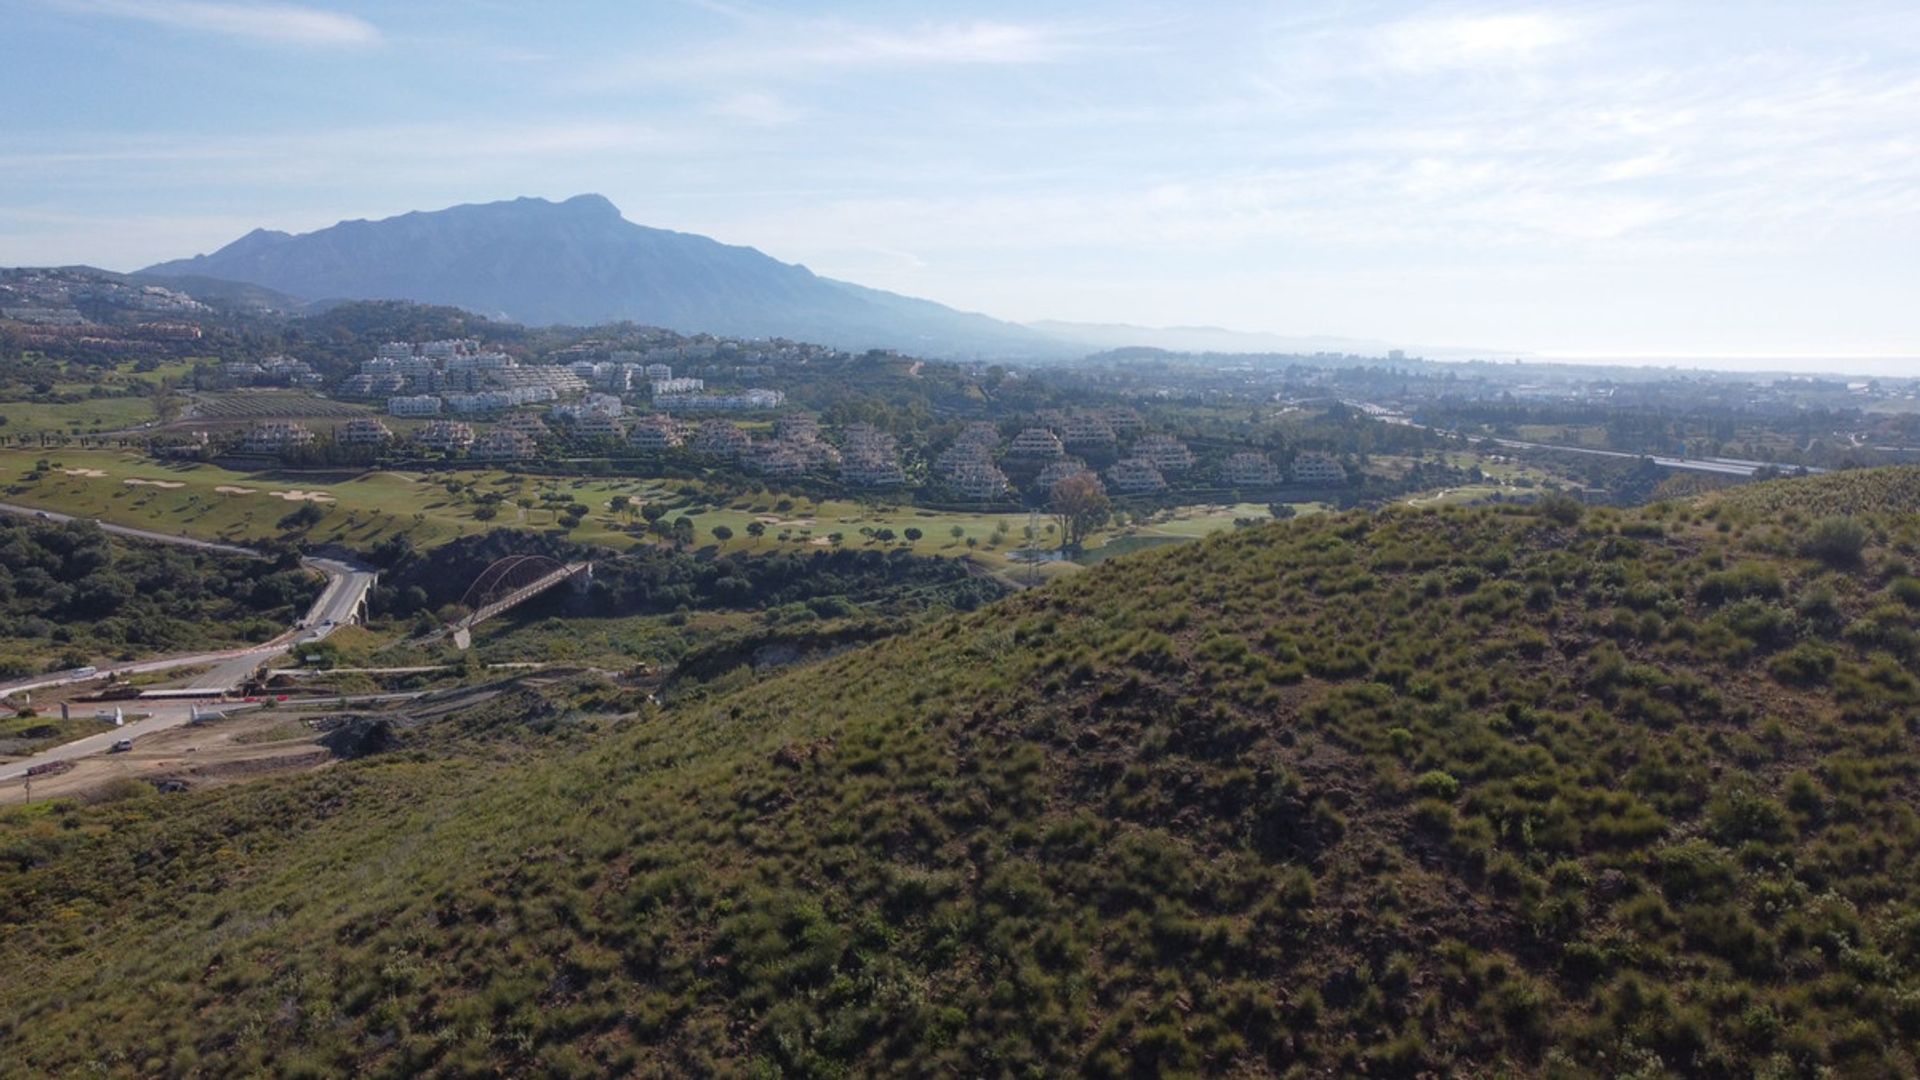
579 262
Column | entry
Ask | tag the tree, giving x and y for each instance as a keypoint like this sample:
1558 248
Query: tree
308 515
620 504
1079 503
912 534
756 529
653 512
682 531
958 532
722 533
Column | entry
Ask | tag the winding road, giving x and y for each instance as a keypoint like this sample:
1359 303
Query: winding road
337 605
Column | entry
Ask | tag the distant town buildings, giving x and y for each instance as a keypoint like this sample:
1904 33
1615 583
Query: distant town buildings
655 432
978 480
1084 432
527 424
502 444
869 458
597 425
1125 422
272 371
414 405
1058 471
719 439
1248 469
363 431
1136 476
1314 467
796 427
444 435
594 405
1167 453
744 401
774 459
276 437
486 401
1036 444
471 380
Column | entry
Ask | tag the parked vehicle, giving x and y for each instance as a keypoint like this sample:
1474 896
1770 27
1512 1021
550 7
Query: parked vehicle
121 746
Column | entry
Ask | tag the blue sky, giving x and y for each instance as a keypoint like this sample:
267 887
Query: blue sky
1661 179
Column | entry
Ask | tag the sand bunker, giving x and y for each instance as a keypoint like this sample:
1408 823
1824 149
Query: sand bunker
297 495
91 474
137 482
786 523
820 541
229 489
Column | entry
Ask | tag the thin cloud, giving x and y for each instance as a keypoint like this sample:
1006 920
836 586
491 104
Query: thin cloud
280 24
1426 45
759 110
828 46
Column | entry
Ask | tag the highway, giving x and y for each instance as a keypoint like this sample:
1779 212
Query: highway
1724 466
337 605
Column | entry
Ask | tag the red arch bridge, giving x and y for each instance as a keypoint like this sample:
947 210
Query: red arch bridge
506 584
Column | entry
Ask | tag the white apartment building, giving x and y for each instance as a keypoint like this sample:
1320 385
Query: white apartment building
1248 469
980 480
362 431
1136 476
501 444
1315 467
1167 453
448 435
655 431
276 436
1036 444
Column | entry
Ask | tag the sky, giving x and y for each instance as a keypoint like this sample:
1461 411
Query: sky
1715 178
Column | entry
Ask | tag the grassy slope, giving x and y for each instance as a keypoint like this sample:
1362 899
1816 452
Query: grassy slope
1458 790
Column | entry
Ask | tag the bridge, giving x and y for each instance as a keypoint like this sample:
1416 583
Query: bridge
507 584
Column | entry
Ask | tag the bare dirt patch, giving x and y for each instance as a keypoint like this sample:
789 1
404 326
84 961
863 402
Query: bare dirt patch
228 750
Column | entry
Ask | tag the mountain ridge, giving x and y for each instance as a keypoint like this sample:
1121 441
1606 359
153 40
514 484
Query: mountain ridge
580 262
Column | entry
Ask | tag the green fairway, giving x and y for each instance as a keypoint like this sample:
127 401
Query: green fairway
362 509
25 419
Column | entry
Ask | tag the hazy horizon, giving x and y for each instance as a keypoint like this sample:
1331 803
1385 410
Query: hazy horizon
1579 182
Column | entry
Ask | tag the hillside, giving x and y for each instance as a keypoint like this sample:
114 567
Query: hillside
579 262
1467 792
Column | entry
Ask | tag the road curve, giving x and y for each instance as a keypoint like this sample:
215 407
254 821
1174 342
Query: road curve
337 604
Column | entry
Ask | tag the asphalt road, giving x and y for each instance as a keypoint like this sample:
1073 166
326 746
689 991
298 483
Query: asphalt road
347 585
137 534
164 716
